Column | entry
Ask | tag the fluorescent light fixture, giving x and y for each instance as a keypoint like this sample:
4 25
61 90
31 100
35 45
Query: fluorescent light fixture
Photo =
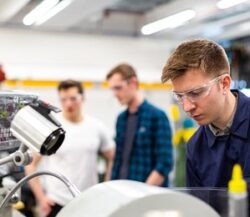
223 4
39 11
59 7
171 22
245 26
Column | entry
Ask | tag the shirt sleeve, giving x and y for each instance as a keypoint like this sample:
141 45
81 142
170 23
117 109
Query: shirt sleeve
106 141
163 144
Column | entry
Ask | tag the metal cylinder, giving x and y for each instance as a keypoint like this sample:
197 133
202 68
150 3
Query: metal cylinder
36 131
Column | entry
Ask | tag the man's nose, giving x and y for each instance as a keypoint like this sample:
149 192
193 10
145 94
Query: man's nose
115 93
187 104
68 103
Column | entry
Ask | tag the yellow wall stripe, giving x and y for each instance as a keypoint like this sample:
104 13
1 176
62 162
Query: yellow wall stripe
86 84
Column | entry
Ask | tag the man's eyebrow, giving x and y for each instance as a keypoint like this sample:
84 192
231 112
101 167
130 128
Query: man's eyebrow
192 89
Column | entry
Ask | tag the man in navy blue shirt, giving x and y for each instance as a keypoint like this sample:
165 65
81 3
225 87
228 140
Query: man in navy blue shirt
200 74
143 134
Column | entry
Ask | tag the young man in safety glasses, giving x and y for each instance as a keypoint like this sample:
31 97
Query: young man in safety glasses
200 73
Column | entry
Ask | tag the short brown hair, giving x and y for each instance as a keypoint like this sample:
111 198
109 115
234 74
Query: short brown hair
201 54
124 69
66 84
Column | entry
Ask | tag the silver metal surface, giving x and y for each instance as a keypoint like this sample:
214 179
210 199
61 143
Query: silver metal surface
129 198
238 205
72 188
8 211
31 128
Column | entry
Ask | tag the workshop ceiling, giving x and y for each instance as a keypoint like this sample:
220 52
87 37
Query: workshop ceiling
127 17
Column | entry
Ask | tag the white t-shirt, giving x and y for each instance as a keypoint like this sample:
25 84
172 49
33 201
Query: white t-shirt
76 159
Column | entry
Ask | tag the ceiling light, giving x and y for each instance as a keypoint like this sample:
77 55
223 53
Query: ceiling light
223 4
59 7
244 26
39 11
172 21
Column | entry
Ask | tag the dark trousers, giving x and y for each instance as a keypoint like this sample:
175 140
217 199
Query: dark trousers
54 210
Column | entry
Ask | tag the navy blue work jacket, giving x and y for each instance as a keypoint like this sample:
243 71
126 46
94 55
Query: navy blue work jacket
210 158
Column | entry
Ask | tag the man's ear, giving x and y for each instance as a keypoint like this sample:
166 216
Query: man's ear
226 82
134 81
82 98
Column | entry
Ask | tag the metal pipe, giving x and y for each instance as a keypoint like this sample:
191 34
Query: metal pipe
7 159
72 188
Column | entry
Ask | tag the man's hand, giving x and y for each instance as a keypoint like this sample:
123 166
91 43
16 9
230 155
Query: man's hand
46 204
155 178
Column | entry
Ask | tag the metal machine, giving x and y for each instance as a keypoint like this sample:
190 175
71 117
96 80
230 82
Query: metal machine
129 198
25 119
25 123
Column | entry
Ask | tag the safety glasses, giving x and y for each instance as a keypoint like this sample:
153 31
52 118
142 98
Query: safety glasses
196 94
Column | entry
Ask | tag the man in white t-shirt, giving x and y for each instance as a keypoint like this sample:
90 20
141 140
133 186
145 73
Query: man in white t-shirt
76 159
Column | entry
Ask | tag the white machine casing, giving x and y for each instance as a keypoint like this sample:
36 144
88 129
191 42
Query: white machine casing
123 198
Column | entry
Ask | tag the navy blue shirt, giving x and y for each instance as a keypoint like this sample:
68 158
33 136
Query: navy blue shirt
210 158
152 146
